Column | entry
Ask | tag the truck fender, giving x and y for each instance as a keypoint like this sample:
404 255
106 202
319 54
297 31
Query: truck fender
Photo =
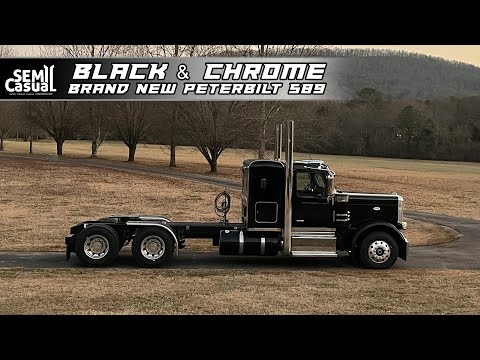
382 226
144 224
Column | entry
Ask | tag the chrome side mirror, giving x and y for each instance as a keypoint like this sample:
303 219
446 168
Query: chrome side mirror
330 183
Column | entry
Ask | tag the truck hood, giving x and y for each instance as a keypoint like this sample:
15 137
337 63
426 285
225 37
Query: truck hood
362 207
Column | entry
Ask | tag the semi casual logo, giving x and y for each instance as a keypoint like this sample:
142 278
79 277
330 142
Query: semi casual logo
173 78
31 81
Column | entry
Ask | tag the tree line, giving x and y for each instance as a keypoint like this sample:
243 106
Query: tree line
371 123
368 125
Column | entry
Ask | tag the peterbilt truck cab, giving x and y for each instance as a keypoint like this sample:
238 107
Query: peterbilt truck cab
325 221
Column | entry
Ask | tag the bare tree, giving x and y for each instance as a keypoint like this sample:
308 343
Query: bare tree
272 50
95 125
7 110
6 51
175 50
7 120
57 118
260 115
84 50
212 126
29 126
264 114
131 123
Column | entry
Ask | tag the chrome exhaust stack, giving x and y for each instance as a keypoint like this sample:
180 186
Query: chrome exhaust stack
278 142
287 231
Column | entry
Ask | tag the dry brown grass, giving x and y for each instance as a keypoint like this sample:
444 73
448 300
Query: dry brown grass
442 187
420 233
40 201
184 291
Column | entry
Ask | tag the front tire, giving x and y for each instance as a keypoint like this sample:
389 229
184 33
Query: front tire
151 247
378 250
97 245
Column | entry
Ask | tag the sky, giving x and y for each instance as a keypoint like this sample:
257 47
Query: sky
465 53
469 54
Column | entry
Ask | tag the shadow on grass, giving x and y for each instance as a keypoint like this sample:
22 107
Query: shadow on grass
209 260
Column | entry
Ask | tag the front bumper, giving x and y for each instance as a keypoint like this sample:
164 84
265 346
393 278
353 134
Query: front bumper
402 225
70 242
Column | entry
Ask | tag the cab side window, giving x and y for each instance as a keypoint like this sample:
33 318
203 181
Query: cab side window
303 183
310 184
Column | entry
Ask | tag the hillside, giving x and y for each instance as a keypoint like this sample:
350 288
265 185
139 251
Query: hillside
400 74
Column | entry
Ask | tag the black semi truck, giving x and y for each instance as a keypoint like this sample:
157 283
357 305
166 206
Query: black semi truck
289 207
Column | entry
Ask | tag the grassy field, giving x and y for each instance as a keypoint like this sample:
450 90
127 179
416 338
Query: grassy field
40 201
451 188
319 291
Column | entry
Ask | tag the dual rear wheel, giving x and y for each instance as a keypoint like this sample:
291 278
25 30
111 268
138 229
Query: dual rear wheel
151 247
98 246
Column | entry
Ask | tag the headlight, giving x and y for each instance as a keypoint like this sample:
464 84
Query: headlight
400 209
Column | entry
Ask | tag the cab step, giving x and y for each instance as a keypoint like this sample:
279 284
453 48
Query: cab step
317 243
305 253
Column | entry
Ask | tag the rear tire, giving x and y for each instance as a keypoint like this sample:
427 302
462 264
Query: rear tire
378 250
151 247
97 245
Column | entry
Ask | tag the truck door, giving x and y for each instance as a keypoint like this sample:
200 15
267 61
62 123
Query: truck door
310 207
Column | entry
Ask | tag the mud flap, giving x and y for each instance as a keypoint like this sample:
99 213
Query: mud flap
69 241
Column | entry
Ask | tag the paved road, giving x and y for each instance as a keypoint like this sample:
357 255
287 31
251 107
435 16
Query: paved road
463 253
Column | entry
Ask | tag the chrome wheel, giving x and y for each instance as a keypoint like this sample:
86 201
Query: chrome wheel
152 247
96 247
379 251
